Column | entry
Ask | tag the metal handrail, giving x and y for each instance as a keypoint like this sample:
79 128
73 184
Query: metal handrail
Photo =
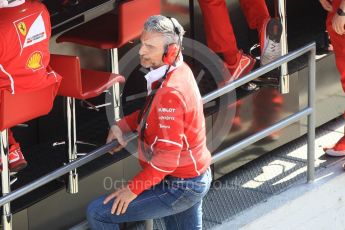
259 72
259 135
309 111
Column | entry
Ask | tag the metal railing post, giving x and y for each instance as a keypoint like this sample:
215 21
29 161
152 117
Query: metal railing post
115 89
72 184
311 117
284 80
5 180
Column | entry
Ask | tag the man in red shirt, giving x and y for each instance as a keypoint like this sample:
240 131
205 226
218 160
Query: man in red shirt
221 38
335 26
24 56
172 148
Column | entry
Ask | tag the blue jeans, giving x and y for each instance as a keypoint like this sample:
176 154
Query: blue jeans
177 200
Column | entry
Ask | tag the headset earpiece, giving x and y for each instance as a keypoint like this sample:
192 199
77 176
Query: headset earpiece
170 53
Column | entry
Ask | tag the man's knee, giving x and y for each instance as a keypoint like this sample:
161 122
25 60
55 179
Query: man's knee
90 211
94 209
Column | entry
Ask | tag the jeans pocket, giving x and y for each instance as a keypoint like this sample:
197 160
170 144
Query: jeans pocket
192 192
198 188
185 201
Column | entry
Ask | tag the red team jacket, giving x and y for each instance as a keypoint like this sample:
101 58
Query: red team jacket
175 132
24 48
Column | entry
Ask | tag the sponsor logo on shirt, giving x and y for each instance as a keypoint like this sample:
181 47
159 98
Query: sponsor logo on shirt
167 118
166 110
34 61
164 126
22 28
31 30
35 38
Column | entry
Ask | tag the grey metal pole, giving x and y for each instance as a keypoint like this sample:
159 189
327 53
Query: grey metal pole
311 117
115 89
5 177
284 79
72 186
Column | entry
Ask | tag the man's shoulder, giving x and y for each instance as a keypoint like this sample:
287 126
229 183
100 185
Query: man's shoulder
182 69
169 92
36 4
180 78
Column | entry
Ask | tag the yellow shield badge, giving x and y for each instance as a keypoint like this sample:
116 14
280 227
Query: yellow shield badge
22 28
35 61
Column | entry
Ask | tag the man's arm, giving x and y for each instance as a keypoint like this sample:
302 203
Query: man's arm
126 124
1 47
338 21
342 5
327 5
168 127
129 122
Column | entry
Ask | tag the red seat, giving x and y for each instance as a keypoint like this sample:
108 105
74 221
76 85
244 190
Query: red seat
15 109
79 83
22 107
109 31
113 30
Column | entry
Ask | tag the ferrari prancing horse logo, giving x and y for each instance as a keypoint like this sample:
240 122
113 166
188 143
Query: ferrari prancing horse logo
22 28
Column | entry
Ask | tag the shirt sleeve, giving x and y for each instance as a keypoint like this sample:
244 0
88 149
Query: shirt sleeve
129 122
168 123
2 50
47 21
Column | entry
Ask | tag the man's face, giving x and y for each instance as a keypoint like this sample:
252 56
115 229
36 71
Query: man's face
151 50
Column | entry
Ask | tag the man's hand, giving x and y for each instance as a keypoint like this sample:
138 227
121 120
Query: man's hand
123 197
115 133
326 4
338 23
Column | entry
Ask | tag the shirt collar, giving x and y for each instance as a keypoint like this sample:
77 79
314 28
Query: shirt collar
156 74
14 4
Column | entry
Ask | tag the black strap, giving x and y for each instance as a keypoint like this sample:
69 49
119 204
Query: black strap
147 154
144 113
